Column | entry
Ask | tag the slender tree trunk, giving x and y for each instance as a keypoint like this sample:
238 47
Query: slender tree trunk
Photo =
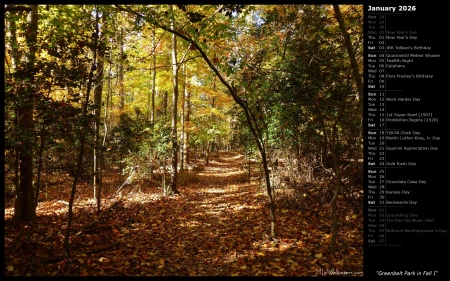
355 71
98 91
66 245
336 166
187 113
334 227
24 204
14 46
351 54
15 58
106 117
152 116
172 188
165 104
182 152
38 186
163 162
38 180
121 66
208 144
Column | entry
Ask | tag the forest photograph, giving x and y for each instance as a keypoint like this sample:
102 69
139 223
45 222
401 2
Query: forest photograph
183 140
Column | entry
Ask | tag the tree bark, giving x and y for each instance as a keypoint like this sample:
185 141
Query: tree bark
187 113
121 64
24 205
152 114
183 121
351 54
15 55
66 245
98 106
172 187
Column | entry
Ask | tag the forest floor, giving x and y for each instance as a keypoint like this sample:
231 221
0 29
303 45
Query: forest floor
216 227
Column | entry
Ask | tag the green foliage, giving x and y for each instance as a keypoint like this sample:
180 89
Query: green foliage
296 77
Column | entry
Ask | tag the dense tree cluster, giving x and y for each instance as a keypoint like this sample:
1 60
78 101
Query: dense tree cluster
96 89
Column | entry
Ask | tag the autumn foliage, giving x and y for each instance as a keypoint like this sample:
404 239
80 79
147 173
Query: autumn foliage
215 228
183 140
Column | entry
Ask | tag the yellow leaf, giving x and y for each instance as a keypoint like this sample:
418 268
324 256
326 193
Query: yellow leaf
284 211
243 267
10 268
318 255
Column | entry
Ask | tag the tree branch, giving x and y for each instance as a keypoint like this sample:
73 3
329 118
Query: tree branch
17 9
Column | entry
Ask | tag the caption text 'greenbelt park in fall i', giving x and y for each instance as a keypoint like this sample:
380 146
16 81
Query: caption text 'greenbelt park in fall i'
183 140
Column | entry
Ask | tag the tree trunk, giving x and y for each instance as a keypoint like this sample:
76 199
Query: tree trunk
208 144
152 114
351 54
334 227
163 178
24 204
66 245
172 188
98 106
164 104
38 181
187 112
183 127
15 54
106 118
355 71
120 75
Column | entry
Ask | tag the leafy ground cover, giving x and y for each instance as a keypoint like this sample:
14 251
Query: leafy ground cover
216 227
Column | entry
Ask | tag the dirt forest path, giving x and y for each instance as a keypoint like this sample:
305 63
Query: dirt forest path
210 229
216 227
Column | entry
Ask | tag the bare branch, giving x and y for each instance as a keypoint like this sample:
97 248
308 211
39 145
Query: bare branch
17 9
